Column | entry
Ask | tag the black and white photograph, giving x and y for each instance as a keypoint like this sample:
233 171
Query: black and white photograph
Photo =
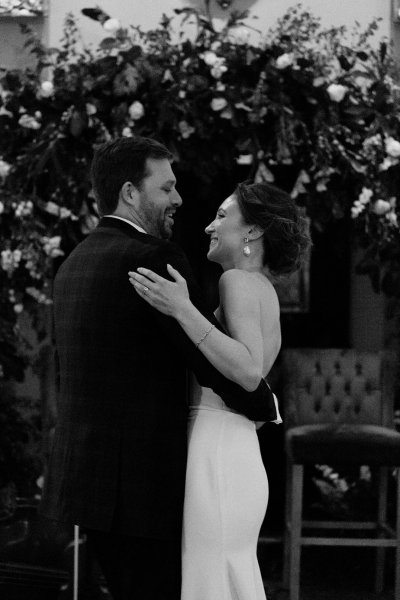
200 300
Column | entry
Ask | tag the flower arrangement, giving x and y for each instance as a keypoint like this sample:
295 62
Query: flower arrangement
321 103
21 8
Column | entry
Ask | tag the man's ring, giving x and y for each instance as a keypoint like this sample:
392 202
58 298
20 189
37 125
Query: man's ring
145 290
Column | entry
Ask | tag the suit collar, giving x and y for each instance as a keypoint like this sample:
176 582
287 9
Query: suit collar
122 226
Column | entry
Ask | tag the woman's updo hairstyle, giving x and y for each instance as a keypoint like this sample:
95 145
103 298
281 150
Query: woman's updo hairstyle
286 237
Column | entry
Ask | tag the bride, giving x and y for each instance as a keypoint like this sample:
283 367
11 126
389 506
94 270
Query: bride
257 234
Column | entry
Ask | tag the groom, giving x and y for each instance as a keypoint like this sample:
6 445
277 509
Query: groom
118 462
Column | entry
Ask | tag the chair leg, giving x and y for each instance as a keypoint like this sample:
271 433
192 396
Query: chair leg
287 533
382 512
296 530
397 557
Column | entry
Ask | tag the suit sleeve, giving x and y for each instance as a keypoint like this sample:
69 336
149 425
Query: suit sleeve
258 405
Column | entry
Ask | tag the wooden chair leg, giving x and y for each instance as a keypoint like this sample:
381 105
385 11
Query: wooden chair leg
287 533
397 557
382 515
296 530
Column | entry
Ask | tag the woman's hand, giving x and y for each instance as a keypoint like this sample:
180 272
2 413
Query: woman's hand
169 297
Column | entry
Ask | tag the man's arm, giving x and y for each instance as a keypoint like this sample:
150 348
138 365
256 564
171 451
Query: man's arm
258 405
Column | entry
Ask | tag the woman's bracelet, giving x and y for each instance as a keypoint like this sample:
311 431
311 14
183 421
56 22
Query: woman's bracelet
205 335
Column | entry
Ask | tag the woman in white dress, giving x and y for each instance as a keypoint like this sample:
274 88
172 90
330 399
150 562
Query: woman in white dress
257 234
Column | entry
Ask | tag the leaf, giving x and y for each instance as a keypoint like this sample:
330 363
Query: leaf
97 14
108 43
344 62
382 51
362 55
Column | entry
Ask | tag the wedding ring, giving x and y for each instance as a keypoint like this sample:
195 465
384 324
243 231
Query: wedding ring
145 290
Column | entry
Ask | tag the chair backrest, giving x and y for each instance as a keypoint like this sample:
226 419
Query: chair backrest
333 385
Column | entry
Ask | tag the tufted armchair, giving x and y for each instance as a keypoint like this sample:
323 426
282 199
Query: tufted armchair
338 407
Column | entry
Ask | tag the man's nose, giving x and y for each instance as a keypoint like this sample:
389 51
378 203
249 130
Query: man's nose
177 200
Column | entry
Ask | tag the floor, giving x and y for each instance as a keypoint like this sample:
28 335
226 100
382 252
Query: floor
327 574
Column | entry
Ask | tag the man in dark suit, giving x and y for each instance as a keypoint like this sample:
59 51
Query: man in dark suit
118 461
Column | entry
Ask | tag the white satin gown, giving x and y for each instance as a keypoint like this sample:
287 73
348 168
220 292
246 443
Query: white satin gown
226 499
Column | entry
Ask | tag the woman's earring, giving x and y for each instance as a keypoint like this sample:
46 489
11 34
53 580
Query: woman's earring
246 249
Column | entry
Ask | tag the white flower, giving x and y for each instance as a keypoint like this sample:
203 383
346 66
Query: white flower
392 147
111 25
219 69
91 108
284 60
4 169
65 213
1 207
7 262
46 89
239 35
226 114
4 111
365 195
244 159
52 246
52 208
218 24
136 110
185 129
381 207
218 104
29 122
392 218
127 132
388 162
210 58
318 81
18 308
220 87
182 94
336 92
17 255
24 208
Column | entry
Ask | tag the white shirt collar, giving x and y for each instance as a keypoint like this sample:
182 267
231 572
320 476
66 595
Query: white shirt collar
126 221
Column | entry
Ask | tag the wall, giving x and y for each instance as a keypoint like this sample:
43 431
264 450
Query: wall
147 13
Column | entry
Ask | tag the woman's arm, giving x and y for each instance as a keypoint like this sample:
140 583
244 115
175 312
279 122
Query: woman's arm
239 359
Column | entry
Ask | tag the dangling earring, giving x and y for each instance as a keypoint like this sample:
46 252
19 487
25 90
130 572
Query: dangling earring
246 249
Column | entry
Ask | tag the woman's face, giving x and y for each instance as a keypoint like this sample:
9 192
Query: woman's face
227 233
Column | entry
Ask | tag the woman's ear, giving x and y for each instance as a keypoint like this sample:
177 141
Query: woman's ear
255 232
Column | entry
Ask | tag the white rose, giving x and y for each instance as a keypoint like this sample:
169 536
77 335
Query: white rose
365 195
185 129
52 246
218 69
218 104
127 132
4 169
392 218
210 58
111 25
17 255
218 24
392 147
244 159
29 122
136 110
284 60
381 207
239 35
336 92
18 308
90 109
46 89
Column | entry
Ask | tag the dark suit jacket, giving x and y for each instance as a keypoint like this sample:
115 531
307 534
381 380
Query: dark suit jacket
119 453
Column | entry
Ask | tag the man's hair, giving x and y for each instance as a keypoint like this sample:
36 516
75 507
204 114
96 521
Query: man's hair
121 160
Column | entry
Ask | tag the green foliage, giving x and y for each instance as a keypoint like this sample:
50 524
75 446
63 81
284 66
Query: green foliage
322 102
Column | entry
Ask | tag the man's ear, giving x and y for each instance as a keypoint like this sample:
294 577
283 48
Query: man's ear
255 232
129 194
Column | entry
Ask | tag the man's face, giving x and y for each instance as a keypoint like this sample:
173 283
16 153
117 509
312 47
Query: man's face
159 198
